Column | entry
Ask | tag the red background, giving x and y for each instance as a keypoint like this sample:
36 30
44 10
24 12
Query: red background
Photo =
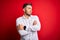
47 10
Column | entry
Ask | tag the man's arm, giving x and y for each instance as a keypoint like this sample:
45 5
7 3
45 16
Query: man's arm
36 25
20 28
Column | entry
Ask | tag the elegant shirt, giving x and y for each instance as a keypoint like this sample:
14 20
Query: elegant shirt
31 30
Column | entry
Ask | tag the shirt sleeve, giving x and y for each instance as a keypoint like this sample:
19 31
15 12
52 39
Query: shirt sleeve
21 32
36 27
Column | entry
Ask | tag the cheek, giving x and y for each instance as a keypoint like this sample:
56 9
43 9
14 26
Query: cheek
28 10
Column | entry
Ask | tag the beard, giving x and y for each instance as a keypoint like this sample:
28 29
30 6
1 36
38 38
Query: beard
28 14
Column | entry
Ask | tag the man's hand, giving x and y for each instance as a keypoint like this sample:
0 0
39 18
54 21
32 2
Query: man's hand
20 27
35 22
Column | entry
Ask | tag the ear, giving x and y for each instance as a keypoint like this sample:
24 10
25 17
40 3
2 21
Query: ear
24 9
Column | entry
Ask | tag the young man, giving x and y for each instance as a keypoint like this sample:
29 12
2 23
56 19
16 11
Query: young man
28 25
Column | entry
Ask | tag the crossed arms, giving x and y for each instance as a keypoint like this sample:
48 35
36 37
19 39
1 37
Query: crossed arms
35 27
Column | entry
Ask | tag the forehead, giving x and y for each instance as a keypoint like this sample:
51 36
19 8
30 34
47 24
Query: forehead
29 6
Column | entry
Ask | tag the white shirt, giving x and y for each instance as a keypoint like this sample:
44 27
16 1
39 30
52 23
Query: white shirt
31 30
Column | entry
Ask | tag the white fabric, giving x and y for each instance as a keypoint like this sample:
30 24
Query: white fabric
31 30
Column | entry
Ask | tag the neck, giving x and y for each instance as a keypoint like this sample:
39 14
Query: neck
26 16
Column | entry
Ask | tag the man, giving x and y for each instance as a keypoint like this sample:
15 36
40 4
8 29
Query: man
28 25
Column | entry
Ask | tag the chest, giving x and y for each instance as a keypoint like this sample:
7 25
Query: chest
28 22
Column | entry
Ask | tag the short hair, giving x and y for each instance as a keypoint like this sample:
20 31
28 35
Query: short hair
26 4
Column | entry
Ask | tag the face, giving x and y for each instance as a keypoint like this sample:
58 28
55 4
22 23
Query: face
28 10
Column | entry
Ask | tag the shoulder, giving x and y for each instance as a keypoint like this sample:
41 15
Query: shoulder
34 16
19 18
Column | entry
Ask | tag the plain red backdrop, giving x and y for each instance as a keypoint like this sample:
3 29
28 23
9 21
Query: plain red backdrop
47 10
